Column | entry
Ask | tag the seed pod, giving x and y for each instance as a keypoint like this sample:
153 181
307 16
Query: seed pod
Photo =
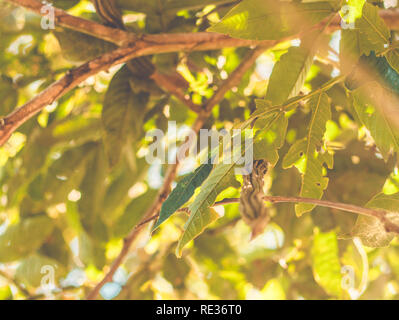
109 11
252 206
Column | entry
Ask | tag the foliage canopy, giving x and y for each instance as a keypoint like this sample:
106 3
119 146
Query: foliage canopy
318 84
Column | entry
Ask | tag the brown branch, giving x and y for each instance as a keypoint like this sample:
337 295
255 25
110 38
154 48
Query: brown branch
75 76
163 193
197 41
375 213
64 19
143 45
124 38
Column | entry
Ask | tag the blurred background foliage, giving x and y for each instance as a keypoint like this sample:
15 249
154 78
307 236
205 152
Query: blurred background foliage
67 201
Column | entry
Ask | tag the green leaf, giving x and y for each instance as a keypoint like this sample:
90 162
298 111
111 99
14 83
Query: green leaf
270 137
367 100
8 95
222 176
325 263
175 270
374 28
5 293
93 190
289 74
194 227
371 230
65 4
353 44
133 213
201 215
308 156
392 57
91 252
56 247
19 240
271 19
122 115
37 270
116 195
66 173
79 47
183 192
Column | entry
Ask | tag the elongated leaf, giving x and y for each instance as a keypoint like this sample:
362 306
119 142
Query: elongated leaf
289 74
307 154
353 44
373 27
367 101
201 215
66 173
270 19
23 238
122 115
8 95
183 192
392 57
93 190
325 263
133 213
369 35
222 176
56 247
270 137
91 252
72 42
371 230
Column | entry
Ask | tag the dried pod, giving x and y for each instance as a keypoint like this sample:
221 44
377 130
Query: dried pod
109 12
252 206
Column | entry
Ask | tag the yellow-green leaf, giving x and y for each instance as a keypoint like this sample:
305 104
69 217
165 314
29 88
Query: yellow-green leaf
371 230
271 19
368 101
308 154
325 263
23 238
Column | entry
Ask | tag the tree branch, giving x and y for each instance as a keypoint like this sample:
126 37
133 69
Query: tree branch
91 28
124 38
74 77
375 213
197 41
163 193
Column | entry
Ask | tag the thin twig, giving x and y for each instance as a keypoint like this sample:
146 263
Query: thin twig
375 213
